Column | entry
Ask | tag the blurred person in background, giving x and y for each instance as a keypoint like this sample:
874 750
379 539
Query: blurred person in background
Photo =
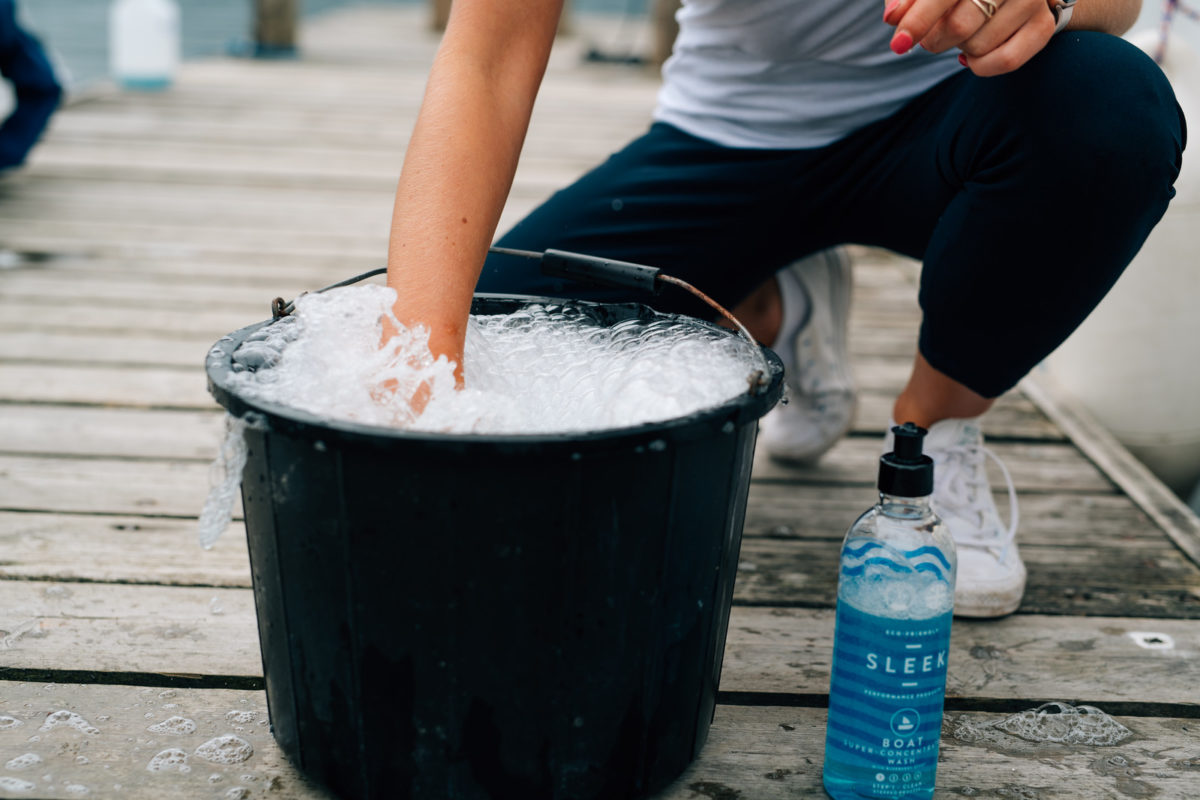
36 90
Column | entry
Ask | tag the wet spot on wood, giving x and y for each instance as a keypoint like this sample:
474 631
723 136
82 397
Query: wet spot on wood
777 774
714 790
987 652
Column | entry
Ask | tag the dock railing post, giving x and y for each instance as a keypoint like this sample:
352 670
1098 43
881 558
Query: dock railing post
275 28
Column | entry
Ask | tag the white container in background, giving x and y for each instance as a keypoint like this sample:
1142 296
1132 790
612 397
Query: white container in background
143 43
1135 362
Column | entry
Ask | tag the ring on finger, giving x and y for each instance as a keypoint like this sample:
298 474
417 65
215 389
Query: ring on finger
988 7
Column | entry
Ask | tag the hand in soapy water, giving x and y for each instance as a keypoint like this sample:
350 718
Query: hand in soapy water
419 397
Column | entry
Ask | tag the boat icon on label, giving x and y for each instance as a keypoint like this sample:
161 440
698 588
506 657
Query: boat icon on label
905 721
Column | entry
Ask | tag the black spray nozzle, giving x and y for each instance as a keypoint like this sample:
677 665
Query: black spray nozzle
906 471
601 271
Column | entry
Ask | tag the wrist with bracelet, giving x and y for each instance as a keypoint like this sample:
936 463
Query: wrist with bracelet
1062 10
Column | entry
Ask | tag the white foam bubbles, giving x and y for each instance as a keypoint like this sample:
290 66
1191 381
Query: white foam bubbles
10 784
23 761
542 369
1065 724
177 726
9 722
171 759
227 749
243 717
69 719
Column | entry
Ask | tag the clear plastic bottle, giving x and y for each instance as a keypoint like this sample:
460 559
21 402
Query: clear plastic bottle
144 43
892 640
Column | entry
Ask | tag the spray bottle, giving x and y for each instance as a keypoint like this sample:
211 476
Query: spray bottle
143 43
892 639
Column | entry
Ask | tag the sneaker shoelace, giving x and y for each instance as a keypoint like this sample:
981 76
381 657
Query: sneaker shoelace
963 492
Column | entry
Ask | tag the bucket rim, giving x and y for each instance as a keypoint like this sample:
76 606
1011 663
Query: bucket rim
739 409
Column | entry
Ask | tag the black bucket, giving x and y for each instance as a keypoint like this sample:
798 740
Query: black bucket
507 617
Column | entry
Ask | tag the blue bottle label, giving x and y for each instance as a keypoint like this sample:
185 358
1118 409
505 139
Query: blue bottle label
885 702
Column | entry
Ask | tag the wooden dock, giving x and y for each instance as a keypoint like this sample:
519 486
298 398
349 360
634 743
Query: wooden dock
147 226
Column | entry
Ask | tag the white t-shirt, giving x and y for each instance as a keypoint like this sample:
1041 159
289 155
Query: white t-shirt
782 74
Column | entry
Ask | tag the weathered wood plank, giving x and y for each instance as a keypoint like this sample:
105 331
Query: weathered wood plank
122 432
140 387
112 762
759 753
1073 659
104 486
128 629
112 432
118 486
765 753
99 320
211 632
1176 519
1043 466
1152 581
823 513
119 549
136 548
86 349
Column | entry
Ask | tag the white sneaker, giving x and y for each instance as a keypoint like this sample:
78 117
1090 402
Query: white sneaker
991 577
820 397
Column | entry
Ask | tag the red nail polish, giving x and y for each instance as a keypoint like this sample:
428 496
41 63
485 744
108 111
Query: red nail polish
902 42
892 6
962 59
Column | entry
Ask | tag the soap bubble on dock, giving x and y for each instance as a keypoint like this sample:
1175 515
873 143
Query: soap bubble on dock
9 722
23 761
177 726
69 719
168 760
77 789
227 749
241 717
541 369
1066 724
10 784
1059 723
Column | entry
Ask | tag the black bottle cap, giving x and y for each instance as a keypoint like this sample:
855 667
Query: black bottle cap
906 471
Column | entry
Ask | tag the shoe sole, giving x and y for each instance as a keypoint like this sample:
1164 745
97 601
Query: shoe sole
992 606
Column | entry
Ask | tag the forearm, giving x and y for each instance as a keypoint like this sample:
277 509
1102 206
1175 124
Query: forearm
461 158
1107 16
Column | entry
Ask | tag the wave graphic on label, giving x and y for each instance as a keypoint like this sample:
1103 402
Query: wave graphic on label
855 560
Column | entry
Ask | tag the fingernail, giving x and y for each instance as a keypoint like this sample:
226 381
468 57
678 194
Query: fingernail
962 59
902 42
892 6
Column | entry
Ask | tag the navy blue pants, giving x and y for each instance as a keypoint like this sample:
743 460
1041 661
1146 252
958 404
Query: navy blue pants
37 92
1024 195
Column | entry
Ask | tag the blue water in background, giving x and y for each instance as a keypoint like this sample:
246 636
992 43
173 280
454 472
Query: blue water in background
76 31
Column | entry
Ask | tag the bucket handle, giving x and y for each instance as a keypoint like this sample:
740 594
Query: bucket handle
594 270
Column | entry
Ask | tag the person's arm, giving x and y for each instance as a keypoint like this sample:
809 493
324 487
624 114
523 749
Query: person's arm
993 44
461 158
1107 16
